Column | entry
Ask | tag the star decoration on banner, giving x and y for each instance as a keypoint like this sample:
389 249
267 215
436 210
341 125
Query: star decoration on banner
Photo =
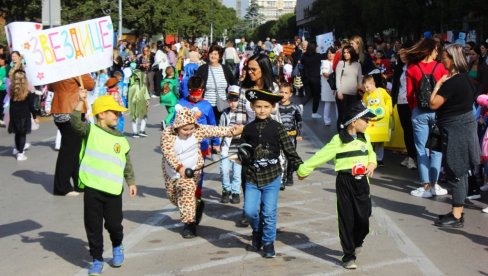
40 75
27 46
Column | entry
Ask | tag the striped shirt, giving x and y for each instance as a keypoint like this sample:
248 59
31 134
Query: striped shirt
215 76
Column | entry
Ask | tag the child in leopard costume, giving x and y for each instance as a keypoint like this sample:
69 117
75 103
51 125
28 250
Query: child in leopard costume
180 145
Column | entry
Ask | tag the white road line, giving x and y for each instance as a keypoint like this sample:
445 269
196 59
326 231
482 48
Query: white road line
228 235
404 243
247 256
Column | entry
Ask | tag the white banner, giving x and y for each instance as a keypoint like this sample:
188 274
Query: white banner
68 51
324 42
22 32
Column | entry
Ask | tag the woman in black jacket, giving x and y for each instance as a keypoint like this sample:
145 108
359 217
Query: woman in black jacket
216 78
311 61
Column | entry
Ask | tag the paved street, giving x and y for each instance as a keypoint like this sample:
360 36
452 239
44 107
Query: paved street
42 234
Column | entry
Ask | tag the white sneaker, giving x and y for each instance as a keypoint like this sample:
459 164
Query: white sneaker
475 196
484 188
72 193
438 190
21 157
154 96
15 151
411 165
485 210
316 116
421 192
405 161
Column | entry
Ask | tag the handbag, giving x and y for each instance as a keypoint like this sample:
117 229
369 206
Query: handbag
434 141
221 104
332 81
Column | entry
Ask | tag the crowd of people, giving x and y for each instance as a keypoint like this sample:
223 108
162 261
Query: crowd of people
243 102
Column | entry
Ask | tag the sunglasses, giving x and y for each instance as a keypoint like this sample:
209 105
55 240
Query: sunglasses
196 91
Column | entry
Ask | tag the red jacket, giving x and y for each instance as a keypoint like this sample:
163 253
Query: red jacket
414 75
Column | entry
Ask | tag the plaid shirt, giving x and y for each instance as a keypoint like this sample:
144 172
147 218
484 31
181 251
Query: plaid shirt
268 138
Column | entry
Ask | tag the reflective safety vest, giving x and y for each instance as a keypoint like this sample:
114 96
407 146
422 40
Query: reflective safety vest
102 161
350 154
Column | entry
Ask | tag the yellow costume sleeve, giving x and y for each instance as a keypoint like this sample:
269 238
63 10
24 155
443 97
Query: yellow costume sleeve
325 154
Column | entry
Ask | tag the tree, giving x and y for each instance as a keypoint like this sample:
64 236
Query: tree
253 17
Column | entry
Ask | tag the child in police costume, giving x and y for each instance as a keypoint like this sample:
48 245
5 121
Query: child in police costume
266 137
180 145
104 163
355 161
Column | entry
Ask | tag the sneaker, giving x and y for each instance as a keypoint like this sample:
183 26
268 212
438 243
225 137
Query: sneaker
15 151
118 253
289 181
154 96
450 221
485 210
350 264
21 157
449 214
411 164
282 186
470 197
236 199
72 193
189 231
142 134
225 196
484 188
268 251
380 163
199 211
95 268
2 123
135 135
421 192
316 116
404 163
438 190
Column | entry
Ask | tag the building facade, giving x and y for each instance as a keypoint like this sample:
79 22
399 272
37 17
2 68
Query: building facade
239 5
273 9
304 18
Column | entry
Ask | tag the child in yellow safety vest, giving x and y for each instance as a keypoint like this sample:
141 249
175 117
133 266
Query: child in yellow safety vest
355 161
104 163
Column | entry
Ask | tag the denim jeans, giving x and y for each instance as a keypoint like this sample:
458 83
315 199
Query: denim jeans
226 166
260 204
429 162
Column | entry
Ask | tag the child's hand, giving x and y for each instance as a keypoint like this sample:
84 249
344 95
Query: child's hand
340 96
216 148
132 190
370 169
237 129
181 171
299 138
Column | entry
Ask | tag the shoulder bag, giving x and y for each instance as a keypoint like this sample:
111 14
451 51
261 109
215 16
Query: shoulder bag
221 104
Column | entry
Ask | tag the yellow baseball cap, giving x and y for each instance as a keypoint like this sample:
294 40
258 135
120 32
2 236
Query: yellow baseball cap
104 103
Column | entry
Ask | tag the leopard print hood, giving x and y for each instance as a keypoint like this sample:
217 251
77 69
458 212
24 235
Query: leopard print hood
185 116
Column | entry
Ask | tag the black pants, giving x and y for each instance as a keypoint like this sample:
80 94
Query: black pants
3 93
406 121
99 206
353 210
217 114
158 77
312 89
343 105
68 163
287 175
20 141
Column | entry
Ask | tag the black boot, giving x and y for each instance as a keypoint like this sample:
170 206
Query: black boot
199 211
243 221
268 251
256 241
225 196
236 199
189 230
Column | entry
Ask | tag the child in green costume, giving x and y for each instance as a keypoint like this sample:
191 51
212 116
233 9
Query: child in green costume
169 95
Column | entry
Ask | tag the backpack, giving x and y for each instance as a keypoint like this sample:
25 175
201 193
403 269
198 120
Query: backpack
426 86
